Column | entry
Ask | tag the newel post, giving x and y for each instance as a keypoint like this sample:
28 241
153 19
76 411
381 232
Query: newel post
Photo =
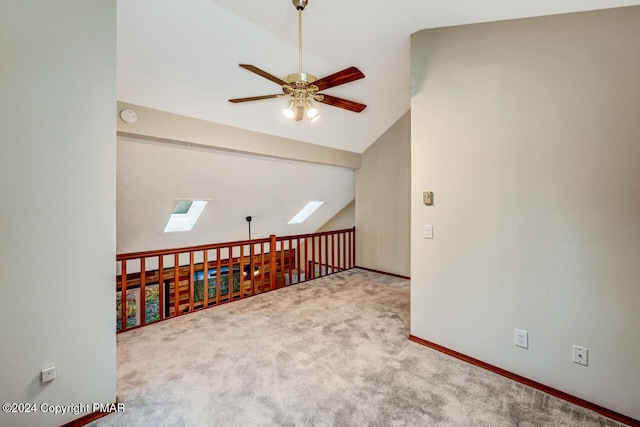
272 262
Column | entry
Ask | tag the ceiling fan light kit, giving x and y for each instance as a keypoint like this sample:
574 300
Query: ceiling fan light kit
303 87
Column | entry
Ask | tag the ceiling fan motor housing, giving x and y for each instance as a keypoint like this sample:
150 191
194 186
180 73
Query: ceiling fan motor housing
300 87
300 77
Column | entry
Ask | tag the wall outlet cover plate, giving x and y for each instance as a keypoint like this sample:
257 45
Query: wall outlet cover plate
580 355
521 338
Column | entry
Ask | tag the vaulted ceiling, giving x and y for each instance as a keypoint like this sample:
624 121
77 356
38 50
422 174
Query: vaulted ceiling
183 56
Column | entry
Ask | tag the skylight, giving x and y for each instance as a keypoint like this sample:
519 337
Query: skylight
305 212
184 215
182 207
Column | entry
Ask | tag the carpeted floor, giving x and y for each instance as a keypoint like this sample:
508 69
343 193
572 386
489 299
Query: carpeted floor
329 352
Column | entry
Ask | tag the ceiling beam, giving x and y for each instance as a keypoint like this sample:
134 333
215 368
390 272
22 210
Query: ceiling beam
163 126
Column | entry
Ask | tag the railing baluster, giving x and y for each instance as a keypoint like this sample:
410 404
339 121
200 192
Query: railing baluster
176 284
313 257
320 252
353 252
306 259
347 250
282 269
218 274
230 273
262 267
161 287
348 244
242 277
351 263
290 261
340 265
298 267
205 278
252 270
319 260
123 294
143 292
344 251
272 262
333 259
326 254
333 252
191 284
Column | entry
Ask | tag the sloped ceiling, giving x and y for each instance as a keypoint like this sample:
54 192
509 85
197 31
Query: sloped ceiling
183 56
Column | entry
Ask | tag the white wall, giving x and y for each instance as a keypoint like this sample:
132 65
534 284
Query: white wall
527 131
152 175
57 169
383 201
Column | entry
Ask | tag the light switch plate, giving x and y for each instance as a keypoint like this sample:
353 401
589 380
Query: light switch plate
427 198
428 231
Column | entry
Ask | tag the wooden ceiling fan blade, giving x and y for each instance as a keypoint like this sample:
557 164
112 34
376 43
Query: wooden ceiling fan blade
255 98
263 73
340 103
341 77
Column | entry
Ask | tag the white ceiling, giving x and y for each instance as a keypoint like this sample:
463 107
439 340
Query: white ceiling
182 56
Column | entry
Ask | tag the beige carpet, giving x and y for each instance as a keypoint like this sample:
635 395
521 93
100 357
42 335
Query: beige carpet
329 352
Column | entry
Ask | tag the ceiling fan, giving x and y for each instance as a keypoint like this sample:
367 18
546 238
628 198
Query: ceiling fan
303 87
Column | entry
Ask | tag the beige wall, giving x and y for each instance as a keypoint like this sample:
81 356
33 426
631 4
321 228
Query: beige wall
528 133
346 218
57 169
382 202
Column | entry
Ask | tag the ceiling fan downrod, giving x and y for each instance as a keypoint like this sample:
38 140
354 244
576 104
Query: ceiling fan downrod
300 5
299 84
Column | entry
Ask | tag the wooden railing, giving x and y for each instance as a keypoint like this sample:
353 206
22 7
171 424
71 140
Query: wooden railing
161 284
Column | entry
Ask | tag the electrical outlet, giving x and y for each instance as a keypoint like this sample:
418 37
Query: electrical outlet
580 355
521 338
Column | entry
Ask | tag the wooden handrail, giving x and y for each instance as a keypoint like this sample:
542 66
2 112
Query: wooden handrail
318 233
171 251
